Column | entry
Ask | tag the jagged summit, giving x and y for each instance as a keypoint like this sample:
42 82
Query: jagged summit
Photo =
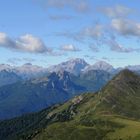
100 65
6 67
127 75
74 66
78 60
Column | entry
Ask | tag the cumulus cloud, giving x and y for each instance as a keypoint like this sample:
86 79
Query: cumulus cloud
126 27
77 5
30 43
6 41
116 47
107 35
93 32
82 6
116 11
70 48
25 43
119 24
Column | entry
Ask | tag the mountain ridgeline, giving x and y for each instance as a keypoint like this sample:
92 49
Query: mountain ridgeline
30 88
8 77
106 115
33 95
74 66
12 74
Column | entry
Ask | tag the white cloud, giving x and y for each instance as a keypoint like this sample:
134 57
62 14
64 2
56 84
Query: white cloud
25 43
77 5
69 48
82 6
116 11
115 46
126 27
30 43
93 31
5 41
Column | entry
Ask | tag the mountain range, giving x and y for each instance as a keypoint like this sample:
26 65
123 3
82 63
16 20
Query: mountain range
110 114
101 65
30 88
33 95
8 77
74 66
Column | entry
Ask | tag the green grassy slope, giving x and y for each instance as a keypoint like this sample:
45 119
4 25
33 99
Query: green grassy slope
113 128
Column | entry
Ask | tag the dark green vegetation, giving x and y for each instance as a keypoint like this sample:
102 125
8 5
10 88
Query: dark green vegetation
111 114
34 95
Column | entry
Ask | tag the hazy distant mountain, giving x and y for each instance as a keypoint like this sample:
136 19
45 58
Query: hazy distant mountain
28 71
74 66
93 80
8 77
135 68
33 95
101 65
107 115
6 67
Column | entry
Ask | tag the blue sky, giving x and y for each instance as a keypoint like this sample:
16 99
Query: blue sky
47 32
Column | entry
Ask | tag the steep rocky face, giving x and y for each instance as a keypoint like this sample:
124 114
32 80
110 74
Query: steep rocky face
74 66
62 80
101 65
93 80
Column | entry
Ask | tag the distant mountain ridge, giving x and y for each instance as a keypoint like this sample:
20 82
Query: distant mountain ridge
8 77
33 95
46 91
74 66
101 65
45 88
